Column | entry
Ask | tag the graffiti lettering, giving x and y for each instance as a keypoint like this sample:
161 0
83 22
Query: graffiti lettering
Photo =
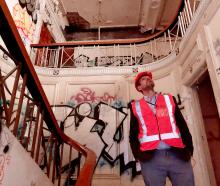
30 7
23 23
87 95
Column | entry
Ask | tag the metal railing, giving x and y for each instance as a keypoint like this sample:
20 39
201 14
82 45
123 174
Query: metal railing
115 55
186 15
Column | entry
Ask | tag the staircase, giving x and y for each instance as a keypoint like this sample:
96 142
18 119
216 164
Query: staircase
25 110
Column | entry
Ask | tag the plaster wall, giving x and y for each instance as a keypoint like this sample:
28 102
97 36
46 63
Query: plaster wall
17 167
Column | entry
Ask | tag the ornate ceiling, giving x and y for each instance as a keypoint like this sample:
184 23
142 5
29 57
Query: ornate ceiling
117 19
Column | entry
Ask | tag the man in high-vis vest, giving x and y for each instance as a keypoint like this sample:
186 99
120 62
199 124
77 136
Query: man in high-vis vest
159 137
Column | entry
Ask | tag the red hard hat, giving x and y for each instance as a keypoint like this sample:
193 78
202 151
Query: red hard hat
138 77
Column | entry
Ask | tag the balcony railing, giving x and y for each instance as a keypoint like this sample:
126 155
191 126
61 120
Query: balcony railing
113 55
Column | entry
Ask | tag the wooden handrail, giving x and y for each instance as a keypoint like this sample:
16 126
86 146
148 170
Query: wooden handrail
117 41
17 49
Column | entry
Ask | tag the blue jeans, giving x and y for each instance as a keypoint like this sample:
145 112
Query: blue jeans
165 163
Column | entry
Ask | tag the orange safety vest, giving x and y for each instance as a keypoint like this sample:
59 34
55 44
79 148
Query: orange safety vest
159 126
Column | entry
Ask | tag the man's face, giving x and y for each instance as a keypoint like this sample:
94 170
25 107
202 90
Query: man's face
145 84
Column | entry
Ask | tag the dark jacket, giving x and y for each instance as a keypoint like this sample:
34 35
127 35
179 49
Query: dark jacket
183 153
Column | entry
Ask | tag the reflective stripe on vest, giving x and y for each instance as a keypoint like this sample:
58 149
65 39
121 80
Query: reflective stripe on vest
144 138
172 121
150 138
143 125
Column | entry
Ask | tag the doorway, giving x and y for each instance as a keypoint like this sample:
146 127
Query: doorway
211 121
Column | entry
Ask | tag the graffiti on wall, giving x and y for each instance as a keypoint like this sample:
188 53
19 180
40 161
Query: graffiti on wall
87 95
30 8
97 119
100 125
83 60
95 127
24 23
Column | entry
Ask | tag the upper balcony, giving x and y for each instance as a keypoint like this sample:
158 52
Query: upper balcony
129 53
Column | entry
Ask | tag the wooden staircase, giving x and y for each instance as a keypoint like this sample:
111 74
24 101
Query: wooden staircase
37 129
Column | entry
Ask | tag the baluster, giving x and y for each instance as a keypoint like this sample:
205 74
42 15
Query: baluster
118 56
45 152
42 58
181 28
24 127
31 111
70 157
60 166
170 40
182 24
151 50
187 12
45 59
39 137
178 28
79 165
2 96
98 58
185 18
18 114
54 160
35 132
190 9
130 54
194 7
155 48
135 54
15 87
50 143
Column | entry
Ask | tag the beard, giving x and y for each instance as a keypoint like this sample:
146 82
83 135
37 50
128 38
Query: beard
149 86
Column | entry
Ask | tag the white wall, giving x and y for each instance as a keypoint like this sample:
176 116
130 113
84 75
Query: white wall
17 167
